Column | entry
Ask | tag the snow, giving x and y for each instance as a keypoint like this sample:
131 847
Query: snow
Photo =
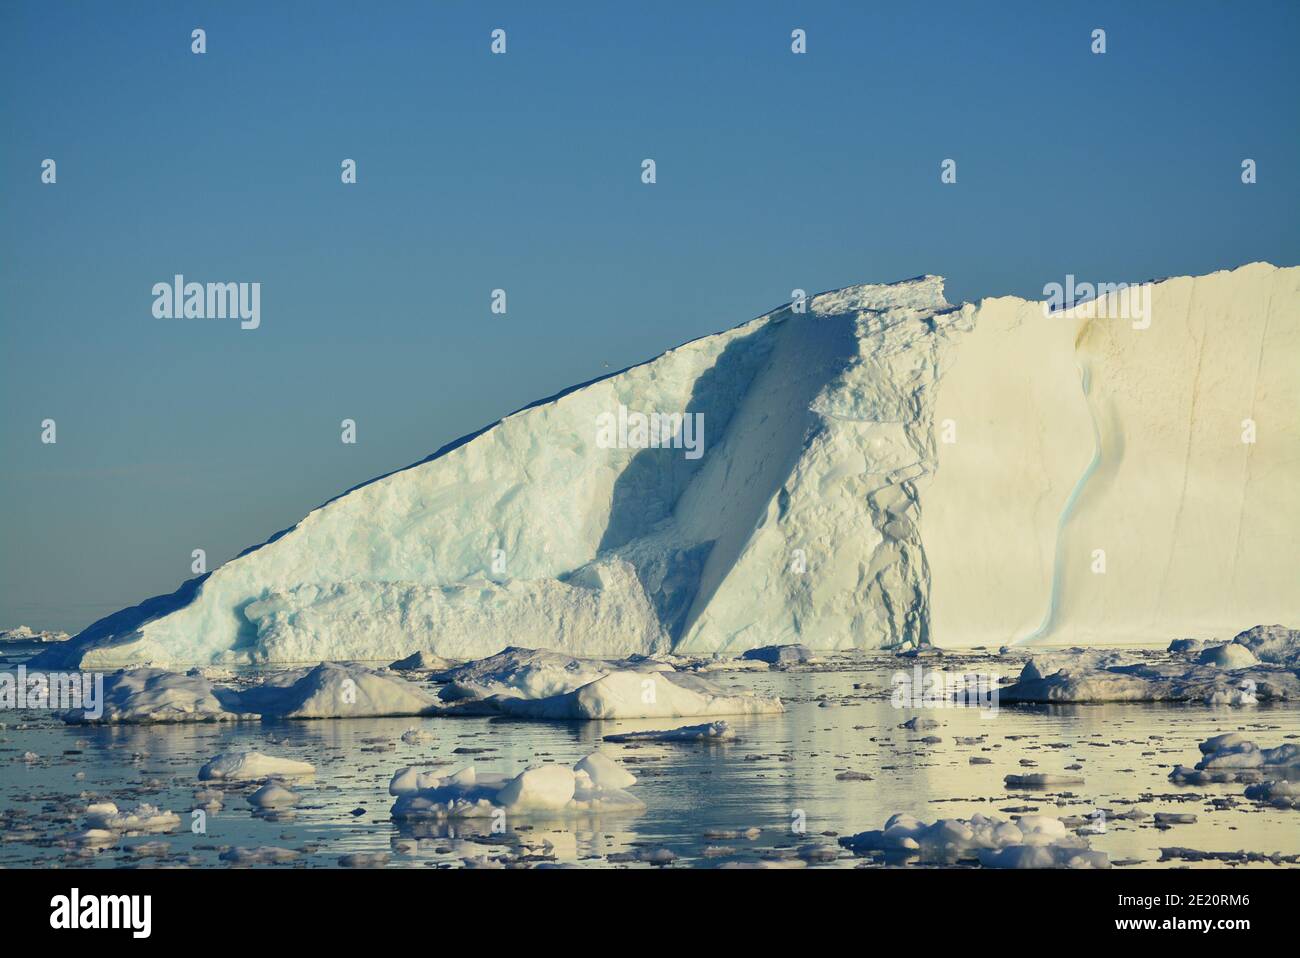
882 471
252 766
1030 841
542 790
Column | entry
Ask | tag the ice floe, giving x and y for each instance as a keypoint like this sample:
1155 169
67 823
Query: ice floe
1232 757
156 695
708 732
1215 674
781 655
145 818
337 691
329 690
596 784
253 766
1030 841
540 684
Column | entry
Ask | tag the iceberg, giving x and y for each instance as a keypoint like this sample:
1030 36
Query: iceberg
869 468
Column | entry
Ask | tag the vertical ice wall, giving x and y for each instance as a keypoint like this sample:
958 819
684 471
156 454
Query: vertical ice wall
1163 500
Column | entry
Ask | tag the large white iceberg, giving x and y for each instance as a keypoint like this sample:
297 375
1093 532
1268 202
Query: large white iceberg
879 470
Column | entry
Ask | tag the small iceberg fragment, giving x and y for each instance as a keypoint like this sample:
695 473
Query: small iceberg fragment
708 732
544 685
1041 780
337 691
1189 671
156 695
146 819
1234 758
1030 841
781 655
252 766
595 784
273 795
421 662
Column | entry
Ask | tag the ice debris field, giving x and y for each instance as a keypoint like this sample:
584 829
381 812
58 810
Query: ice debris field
783 759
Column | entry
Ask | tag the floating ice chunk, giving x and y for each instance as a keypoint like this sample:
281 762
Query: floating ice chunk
364 860
1275 644
626 695
1044 856
545 787
1041 780
251 766
538 790
25 634
273 795
709 732
156 695
1082 676
919 724
1278 794
1037 841
262 855
1234 758
1231 655
781 655
421 662
337 691
604 772
520 673
146 818
97 837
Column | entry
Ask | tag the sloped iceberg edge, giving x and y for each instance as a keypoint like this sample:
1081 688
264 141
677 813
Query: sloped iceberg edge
870 468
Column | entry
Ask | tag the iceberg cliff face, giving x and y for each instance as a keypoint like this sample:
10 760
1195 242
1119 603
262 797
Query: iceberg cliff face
878 470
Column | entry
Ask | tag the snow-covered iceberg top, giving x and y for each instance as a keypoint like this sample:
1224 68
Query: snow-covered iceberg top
879 469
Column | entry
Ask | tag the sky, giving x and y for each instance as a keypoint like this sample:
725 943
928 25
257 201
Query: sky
523 172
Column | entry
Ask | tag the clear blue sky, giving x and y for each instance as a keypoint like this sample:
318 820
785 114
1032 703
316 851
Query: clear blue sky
522 171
